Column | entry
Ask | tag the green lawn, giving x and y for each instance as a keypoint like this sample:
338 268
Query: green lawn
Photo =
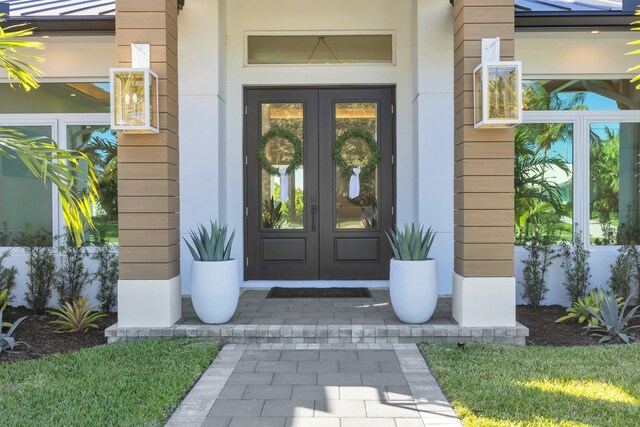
129 384
491 385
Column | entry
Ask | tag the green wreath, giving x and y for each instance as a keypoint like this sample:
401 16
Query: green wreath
367 137
284 134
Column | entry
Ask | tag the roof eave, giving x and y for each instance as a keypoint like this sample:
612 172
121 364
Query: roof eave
68 25
573 21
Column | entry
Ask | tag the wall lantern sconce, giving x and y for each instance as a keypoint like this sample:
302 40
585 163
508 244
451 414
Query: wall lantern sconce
497 89
134 95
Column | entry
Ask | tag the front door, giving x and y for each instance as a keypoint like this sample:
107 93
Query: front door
318 183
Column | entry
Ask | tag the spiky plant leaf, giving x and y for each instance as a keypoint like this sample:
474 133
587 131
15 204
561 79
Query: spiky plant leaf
412 243
211 244
77 316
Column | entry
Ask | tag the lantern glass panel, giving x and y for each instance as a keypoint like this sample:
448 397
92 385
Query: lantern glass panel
129 98
502 87
477 97
153 96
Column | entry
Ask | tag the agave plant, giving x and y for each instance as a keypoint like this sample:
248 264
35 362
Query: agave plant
211 245
76 316
6 340
613 320
580 309
412 243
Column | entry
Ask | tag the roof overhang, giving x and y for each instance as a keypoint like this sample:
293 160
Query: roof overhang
573 21
69 25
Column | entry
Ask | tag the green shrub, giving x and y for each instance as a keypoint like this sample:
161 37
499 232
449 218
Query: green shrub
7 276
41 275
575 262
72 275
540 254
106 275
76 316
623 271
412 244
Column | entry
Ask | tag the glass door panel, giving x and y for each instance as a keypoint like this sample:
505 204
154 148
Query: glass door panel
283 210
356 194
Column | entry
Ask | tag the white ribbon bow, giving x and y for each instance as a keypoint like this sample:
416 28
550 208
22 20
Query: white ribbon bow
354 184
284 185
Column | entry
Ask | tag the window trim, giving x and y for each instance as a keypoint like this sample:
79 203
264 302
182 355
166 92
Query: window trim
58 123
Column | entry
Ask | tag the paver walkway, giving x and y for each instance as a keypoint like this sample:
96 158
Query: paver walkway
316 385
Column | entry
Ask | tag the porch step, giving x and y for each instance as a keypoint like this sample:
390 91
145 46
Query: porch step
328 334
323 321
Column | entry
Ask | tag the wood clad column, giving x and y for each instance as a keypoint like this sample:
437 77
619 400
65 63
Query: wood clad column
148 189
483 284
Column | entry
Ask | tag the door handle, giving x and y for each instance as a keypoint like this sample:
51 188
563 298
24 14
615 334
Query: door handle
314 212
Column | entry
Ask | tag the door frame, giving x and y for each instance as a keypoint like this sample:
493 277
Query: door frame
245 154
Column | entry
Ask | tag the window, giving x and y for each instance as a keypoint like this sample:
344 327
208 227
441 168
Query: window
320 49
614 183
75 115
543 180
26 205
100 144
577 161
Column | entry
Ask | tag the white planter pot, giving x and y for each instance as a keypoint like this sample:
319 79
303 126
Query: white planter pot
413 286
215 289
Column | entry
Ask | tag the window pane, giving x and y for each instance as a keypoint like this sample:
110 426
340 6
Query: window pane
547 95
543 181
100 144
25 202
614 183
283 211
56 98
356 210
321 49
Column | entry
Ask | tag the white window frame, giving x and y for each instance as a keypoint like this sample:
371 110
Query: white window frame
581 167
58 123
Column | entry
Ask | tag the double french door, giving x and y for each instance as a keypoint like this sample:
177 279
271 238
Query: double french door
319 192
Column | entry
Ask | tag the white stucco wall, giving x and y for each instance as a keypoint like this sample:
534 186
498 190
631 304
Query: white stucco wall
427 147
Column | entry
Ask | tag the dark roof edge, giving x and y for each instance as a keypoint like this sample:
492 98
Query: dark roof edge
575 21
69 25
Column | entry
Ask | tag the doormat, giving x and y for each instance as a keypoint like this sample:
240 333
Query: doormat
319 293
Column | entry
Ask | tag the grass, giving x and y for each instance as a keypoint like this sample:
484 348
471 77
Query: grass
500 386
128 384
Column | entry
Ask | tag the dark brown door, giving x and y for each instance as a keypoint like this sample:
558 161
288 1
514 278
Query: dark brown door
326 224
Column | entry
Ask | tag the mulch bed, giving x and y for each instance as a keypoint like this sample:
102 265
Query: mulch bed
543 329
38 333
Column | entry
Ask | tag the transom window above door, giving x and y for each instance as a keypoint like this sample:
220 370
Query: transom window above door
316 49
